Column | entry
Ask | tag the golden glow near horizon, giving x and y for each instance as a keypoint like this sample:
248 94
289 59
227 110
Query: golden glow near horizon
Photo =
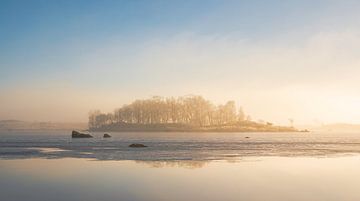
271 84
308 74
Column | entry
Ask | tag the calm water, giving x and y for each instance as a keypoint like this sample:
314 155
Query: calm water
180 166
269 178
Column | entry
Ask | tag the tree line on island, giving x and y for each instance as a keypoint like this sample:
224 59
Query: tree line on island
186 113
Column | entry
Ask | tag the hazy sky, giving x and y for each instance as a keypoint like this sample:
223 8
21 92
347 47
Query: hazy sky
278 59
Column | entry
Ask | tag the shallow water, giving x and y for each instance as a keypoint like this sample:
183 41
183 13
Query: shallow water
252 179
176 146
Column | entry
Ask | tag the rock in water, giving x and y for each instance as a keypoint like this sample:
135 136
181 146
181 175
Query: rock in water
76 134
106 135
137 145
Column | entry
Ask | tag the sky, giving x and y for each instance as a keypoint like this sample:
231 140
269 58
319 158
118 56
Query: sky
297 59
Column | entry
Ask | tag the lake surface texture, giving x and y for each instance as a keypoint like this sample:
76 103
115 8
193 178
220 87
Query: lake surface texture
180 166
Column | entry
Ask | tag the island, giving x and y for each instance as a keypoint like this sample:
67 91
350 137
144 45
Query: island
182 114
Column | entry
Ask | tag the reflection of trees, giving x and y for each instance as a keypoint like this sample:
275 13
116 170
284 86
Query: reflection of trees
179 163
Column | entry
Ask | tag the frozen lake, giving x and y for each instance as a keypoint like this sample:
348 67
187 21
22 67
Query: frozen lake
176 146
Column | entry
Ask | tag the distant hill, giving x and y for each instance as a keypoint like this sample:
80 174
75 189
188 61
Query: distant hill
13 125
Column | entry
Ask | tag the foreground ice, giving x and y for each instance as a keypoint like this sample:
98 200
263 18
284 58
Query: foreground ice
176 146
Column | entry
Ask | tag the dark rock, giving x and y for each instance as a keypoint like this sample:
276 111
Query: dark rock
137 145
106 135
76 134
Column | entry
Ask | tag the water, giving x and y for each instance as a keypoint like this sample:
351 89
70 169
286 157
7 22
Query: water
176 146
252 179
41 166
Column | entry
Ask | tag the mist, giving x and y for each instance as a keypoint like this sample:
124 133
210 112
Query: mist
313 80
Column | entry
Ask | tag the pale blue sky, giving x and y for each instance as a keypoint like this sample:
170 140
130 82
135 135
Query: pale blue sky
106 53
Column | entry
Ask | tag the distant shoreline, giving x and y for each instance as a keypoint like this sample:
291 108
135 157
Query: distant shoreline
246 127
203 131
243 126
18 126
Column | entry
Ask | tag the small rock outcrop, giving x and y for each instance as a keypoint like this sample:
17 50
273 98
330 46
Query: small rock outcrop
106 135
76 134
137 145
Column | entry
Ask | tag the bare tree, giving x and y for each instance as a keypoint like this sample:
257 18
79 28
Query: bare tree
191 110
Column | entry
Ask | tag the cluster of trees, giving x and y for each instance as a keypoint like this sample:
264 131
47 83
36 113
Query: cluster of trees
187 110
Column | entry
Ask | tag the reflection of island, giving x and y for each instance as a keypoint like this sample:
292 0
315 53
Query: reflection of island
179 163
189 113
